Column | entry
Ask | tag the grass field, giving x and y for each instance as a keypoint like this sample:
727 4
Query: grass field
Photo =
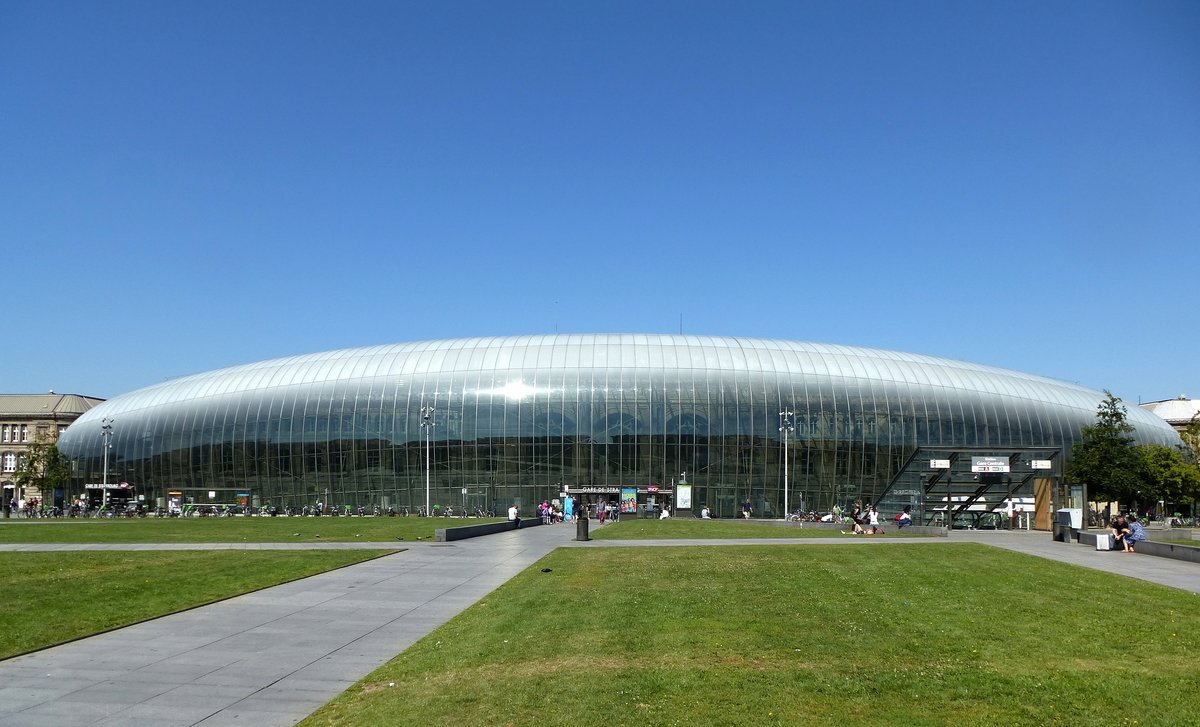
1177 541
686 528
227 529
928 634
50 598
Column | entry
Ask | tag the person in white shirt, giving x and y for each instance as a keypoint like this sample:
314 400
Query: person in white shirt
514 515
706 514
666 513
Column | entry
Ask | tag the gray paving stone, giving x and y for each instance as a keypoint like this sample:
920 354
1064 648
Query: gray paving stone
237 716
126 691
162 714
19 699
126 720
46 720
173 672
305 702
76 710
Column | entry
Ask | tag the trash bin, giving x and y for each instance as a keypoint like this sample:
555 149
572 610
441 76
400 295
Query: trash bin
1064 526
581 528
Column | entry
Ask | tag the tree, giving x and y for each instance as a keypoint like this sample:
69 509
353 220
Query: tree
1105 457
43 466
1167 475
1191 437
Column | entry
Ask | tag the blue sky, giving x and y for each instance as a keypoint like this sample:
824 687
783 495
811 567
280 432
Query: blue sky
191 185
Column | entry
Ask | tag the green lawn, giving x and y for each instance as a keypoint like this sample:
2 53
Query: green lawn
684 528
50 598
227 530
1177 541
927 634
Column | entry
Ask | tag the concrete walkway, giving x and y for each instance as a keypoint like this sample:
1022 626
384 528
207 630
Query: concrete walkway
275 656
266 658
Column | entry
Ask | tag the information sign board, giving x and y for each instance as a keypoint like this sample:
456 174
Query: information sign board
990 464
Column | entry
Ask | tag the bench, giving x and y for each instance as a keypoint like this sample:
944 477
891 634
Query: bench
1175 551
445 535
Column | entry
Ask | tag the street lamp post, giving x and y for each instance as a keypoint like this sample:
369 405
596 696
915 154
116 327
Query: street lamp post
106 432
427 424
785 427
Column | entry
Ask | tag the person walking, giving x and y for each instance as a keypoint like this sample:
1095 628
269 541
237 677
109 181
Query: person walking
747 510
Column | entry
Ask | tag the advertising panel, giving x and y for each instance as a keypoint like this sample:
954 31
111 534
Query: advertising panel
683 497
628 499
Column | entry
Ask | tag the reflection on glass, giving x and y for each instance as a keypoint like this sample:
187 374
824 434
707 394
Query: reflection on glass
525 418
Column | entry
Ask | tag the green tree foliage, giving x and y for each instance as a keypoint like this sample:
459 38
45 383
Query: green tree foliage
1191 438
1105 458
43 466
1167 475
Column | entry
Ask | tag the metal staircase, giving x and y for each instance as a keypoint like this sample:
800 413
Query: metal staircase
941 486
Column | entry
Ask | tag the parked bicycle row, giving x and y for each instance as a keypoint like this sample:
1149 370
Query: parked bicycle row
33 509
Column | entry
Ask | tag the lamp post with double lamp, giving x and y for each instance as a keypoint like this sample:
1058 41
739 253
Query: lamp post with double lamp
106 432
785 428
427 424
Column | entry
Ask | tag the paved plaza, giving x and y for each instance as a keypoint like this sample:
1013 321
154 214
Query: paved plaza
274 656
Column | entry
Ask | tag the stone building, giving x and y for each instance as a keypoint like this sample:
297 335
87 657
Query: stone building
1177 412
24 418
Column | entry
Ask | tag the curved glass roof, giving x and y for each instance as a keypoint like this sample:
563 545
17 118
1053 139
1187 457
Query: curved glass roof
652 352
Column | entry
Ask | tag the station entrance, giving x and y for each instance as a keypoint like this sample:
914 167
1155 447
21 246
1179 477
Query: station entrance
632 501
982 487
113 497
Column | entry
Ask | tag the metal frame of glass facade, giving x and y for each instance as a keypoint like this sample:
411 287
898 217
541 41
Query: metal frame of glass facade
521 418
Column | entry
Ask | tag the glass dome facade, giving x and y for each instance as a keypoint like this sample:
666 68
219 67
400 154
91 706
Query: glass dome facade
524 417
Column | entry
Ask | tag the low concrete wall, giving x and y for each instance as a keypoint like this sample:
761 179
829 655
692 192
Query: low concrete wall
445 535
1189 553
